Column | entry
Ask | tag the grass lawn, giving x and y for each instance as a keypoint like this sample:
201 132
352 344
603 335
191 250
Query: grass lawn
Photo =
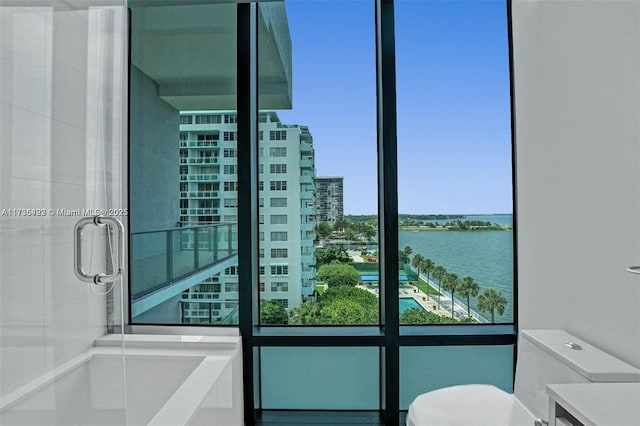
427 289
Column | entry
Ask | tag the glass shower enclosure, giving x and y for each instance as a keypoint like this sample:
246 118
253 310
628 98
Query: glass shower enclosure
63 85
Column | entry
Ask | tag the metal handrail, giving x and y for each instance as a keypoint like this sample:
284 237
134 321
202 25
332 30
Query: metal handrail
184 228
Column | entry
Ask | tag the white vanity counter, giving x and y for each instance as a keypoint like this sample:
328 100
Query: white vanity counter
595 404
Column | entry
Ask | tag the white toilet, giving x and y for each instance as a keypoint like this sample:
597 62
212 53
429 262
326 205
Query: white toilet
544 357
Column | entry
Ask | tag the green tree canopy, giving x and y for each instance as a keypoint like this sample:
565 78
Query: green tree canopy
346 311
339 225
439 272
420 316
341 305
416 262
451 284
491 300
358 295
306 314
323 230
403 255
272 312
427 266
330 255
368 231
338 274
468 288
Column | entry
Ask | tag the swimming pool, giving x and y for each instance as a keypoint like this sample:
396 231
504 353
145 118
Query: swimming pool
366 277
407 303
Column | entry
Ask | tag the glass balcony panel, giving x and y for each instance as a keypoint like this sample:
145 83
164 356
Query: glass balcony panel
148 262
199 267
423 369
182 252
310 378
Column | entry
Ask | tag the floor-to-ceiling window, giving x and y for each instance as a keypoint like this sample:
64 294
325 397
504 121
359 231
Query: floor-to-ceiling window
183 161
339 184
317 166
454 162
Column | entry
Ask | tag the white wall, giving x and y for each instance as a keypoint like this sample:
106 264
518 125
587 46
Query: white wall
61 94
154 151
577 92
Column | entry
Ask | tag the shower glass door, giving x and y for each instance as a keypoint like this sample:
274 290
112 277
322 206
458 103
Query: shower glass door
63 86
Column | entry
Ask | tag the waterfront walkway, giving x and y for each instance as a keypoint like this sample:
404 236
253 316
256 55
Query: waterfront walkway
428 302
460 308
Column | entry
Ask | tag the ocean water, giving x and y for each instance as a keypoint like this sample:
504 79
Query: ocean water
487 256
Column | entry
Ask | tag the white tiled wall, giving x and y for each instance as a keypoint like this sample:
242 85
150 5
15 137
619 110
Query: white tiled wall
62 83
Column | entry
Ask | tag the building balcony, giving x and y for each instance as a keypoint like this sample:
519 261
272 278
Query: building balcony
306 179
167 262
199 160
306 147
307 211
308 226
306 163
307 291
198 212
198 178
198 144
198 194
308 275
308 251
308 259
307 195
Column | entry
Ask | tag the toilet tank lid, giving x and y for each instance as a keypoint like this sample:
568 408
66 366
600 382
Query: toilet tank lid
590 362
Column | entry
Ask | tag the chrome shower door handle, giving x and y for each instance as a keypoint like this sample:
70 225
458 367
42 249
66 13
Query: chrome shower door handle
634 269
118 248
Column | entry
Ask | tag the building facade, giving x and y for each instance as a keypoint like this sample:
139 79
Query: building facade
329 199
208 195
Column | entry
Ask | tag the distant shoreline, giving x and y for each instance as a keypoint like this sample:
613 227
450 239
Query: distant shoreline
454 228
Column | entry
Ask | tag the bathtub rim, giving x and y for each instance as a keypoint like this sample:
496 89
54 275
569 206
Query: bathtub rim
133 345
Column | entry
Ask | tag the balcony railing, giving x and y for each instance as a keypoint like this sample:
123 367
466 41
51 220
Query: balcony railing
207 211
198 194
306 147
198 144
161 259
306 163
199 178
199 160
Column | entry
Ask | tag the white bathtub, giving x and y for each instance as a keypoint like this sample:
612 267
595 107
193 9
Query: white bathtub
156 380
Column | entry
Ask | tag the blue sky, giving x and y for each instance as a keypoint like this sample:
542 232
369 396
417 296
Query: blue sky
454 152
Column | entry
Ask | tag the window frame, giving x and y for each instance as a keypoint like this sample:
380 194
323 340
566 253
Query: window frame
389 335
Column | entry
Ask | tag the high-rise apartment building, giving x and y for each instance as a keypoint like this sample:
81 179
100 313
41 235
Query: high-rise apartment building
329 199
208 195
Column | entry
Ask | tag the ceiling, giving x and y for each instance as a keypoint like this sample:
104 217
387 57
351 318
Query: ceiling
190 52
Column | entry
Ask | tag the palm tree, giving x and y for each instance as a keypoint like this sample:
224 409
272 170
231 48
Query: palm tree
451 284
427 266
491 300
468 288
439 273
403 255
416 262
